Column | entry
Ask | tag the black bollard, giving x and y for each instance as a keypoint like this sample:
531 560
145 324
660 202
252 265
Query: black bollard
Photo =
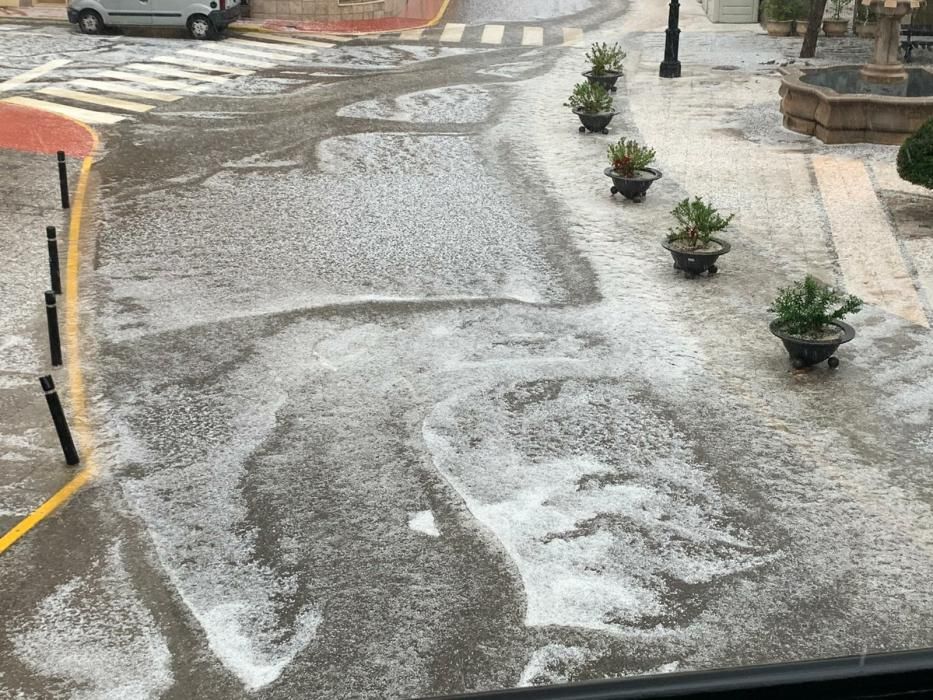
58 417
63 179
670 67
53 260
55 342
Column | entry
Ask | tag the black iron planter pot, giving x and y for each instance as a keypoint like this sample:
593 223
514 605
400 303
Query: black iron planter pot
633 188
696 262
806 353
606 80
594 121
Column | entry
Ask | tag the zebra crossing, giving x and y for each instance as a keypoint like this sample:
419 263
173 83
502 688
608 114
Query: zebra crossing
115 94
489 35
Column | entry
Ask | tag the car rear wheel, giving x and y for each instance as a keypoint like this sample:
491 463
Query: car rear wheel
200 27
89 22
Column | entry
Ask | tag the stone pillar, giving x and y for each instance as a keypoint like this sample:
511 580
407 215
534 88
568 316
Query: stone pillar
885 67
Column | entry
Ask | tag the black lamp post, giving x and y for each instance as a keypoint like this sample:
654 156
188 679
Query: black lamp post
670 67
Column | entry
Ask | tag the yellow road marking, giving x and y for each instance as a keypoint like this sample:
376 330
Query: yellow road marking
440 14
72 339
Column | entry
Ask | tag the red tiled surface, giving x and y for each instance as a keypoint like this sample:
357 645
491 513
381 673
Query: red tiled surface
417 13
35 131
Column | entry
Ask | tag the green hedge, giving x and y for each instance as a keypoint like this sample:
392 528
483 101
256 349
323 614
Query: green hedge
915 159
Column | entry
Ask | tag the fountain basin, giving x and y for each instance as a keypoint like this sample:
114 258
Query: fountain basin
837 104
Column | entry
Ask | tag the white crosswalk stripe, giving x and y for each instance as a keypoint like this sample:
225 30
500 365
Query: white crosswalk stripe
32 74
572 35
453 32
175 73
154 82
88 116
288 40
100 100
234 59
267 55
124 89
232 70
259 45
492 34
532 36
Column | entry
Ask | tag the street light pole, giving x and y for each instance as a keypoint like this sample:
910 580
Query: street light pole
670 68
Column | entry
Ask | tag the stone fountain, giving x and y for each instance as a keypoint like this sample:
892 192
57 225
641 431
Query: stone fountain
879 102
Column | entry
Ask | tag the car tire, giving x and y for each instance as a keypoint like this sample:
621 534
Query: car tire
89 22
200 27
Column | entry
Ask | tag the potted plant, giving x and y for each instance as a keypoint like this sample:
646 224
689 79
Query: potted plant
809 321
779 16
836 25
803 18
605 65
593 105
866 21
691 242
631 176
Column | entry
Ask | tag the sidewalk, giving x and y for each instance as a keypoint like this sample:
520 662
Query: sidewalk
419 14
31 465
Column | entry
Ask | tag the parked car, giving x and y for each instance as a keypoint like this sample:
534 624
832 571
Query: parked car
204 19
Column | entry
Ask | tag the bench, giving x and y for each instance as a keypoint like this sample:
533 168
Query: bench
916 36
919 33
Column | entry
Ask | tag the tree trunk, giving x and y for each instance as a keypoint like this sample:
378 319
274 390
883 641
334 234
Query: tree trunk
815 23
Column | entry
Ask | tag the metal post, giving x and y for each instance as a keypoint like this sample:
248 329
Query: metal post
58 417
53 260
670 67
55 343
63 179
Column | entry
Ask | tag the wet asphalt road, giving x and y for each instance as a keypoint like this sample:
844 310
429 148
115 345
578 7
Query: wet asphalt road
383 416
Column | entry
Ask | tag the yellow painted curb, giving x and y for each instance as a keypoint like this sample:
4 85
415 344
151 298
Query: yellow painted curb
72 338
440 14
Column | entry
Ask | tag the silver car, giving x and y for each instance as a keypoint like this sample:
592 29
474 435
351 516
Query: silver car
204 19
